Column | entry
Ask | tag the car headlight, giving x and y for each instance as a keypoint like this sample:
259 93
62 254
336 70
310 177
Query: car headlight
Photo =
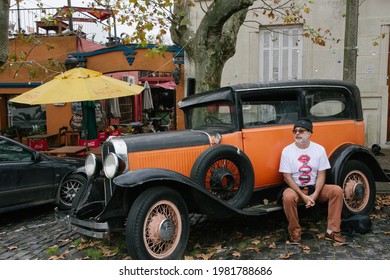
113 165
93 165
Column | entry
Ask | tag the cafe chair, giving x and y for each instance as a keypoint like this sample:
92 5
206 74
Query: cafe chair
61 135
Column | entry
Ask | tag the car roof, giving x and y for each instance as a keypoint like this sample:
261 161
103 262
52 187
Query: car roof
229 93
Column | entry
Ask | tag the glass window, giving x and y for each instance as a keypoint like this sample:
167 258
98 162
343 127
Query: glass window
12 152
324 104
266 109
212 114
280 54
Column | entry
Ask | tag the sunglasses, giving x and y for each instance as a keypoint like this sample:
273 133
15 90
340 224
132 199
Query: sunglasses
300 131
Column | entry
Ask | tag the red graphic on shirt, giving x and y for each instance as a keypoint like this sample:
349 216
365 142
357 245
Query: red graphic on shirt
305 169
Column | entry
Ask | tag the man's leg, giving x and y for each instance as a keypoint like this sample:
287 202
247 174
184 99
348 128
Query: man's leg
290 202
334 195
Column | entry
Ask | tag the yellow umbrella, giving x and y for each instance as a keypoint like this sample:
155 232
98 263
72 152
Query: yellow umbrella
78 84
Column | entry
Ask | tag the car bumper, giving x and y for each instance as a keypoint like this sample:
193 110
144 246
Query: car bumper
84 227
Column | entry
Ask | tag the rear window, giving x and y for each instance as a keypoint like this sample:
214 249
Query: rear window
328 104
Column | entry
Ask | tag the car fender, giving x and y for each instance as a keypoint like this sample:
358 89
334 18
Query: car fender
354 152
188 189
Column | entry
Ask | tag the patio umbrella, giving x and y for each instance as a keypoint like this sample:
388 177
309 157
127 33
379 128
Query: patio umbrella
75 85
89 120
147 97
78 84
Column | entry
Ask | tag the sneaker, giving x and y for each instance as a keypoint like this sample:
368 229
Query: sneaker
294 237
336 237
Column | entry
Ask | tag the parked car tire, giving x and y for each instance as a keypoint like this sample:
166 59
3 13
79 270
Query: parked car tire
157 225
358 184
68 189
226 172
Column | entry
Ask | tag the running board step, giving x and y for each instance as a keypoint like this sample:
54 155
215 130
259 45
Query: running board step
263 207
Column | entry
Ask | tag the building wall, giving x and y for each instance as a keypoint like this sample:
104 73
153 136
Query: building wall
106 60
327 62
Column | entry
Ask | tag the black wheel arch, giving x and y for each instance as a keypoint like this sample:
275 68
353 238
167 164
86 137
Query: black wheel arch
354 152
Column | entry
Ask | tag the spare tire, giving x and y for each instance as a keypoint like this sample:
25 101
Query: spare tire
226 172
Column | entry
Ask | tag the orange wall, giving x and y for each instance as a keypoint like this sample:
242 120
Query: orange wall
58 49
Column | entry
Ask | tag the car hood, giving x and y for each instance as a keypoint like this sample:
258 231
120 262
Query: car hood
166 140
67 160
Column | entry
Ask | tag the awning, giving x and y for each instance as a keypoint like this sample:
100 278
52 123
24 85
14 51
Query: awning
168 85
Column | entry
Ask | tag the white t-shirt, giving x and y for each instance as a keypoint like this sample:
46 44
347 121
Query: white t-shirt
303 164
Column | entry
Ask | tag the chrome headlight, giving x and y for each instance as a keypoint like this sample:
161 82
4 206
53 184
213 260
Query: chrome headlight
113 165
93 165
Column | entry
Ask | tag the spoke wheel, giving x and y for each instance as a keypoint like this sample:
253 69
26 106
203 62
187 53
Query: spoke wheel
157 225
358 188
227 173
162 229
223 179
68 189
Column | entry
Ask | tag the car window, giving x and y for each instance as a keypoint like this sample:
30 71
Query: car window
13 152
269 108
328 104
212 114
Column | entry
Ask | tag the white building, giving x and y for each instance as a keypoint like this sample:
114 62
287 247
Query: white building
274 51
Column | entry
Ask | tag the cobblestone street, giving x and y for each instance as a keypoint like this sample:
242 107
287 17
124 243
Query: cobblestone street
34 234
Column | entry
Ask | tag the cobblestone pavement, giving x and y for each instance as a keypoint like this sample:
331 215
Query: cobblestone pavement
34 234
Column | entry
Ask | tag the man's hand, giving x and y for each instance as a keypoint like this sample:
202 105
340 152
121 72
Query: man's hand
309 201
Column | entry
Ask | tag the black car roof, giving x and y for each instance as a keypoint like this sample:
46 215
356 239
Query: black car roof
228 93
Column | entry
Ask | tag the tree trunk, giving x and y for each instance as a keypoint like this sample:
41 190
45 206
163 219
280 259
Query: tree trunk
4 21
214 41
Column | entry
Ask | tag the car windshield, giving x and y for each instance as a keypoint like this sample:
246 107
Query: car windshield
211 115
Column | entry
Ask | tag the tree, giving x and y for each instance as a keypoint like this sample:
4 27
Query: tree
208 45
4 21
213 42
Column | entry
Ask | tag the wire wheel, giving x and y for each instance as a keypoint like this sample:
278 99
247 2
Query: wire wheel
226 172
358 188
157 226
223 179
162 229
68 189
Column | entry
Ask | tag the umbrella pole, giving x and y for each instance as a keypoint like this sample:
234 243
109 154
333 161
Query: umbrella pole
85 125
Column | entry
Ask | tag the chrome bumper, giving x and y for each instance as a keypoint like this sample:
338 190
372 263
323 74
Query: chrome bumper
87 228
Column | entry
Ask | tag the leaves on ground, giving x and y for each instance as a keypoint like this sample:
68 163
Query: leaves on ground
10 248
285 256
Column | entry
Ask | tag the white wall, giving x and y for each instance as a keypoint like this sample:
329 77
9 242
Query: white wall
327 62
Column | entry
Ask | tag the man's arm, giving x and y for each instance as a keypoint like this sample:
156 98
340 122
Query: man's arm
320 182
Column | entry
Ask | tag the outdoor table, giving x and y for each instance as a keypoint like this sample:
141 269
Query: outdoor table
66 151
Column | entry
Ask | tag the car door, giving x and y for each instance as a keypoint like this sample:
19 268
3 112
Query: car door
268 118
24 178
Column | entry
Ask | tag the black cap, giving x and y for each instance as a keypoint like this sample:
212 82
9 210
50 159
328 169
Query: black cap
305 123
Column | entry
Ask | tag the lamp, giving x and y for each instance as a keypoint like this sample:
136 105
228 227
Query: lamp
176 74
71 62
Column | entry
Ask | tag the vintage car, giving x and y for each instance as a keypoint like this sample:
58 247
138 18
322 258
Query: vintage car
225 163
29 178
